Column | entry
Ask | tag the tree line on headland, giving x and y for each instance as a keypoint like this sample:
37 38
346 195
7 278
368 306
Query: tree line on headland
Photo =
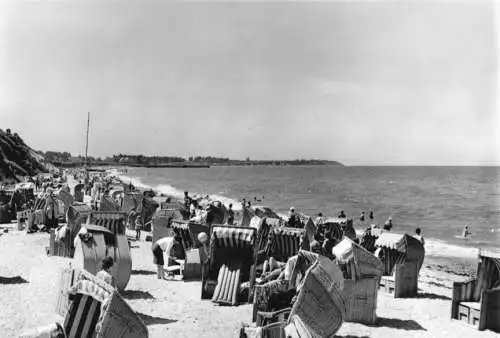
65 159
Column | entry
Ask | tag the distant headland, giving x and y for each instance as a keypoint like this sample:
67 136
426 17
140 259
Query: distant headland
66 160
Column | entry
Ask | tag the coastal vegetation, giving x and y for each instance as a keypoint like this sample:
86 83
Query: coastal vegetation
66 160
17 159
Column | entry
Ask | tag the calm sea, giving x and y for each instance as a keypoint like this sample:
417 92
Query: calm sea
439 200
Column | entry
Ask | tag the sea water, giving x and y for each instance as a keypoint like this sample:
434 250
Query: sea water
439 200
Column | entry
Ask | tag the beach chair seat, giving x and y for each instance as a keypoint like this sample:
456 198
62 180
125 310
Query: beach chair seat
477 302
231 262
228 283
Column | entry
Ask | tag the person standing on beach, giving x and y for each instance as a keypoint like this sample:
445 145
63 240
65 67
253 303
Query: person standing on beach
388 224
138 227
187 200
362 217
370 216
245 219
230 215
106 265
294 219
418 235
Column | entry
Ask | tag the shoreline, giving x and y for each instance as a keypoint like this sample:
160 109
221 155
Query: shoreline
436 249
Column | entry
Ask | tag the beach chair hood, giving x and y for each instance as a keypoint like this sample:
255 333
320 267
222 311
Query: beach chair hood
365 263
410 247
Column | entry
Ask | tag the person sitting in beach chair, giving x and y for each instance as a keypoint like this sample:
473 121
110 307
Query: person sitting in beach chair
106 265
294 219
342 214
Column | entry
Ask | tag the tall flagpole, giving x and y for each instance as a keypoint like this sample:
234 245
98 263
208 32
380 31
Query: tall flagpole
87 141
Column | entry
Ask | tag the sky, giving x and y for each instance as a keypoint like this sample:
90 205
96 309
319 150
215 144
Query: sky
363 83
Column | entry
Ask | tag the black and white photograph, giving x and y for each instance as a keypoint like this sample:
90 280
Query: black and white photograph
249 168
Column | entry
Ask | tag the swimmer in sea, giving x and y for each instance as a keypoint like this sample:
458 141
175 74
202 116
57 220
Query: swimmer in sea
466 232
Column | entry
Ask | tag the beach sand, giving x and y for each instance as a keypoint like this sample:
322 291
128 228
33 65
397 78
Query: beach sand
29 284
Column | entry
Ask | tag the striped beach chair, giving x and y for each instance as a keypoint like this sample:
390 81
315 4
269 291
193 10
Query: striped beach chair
188 232
92 308
114 221
285 242
231 262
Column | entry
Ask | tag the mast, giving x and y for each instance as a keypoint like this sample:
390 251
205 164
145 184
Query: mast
87 141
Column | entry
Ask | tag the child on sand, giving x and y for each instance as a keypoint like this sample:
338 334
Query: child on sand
106 264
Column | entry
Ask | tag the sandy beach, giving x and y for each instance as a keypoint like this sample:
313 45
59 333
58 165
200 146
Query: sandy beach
29 284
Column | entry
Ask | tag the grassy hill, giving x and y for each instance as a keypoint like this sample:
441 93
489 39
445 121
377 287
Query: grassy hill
17 159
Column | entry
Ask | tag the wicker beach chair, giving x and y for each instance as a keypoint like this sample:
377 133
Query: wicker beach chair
93 308
114 221
362 272
100 243
338 228
319 310
108 204
61 240
477 302
162 222
369 237
402 256
299 265
231 262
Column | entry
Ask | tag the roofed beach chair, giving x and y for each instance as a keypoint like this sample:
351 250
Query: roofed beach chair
338 228
114 221
362 272
231 262
477 301
162 222
285 242
108 204
369 237
402 256
188 232
262 306
319 310
61 240
100 242
93 308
